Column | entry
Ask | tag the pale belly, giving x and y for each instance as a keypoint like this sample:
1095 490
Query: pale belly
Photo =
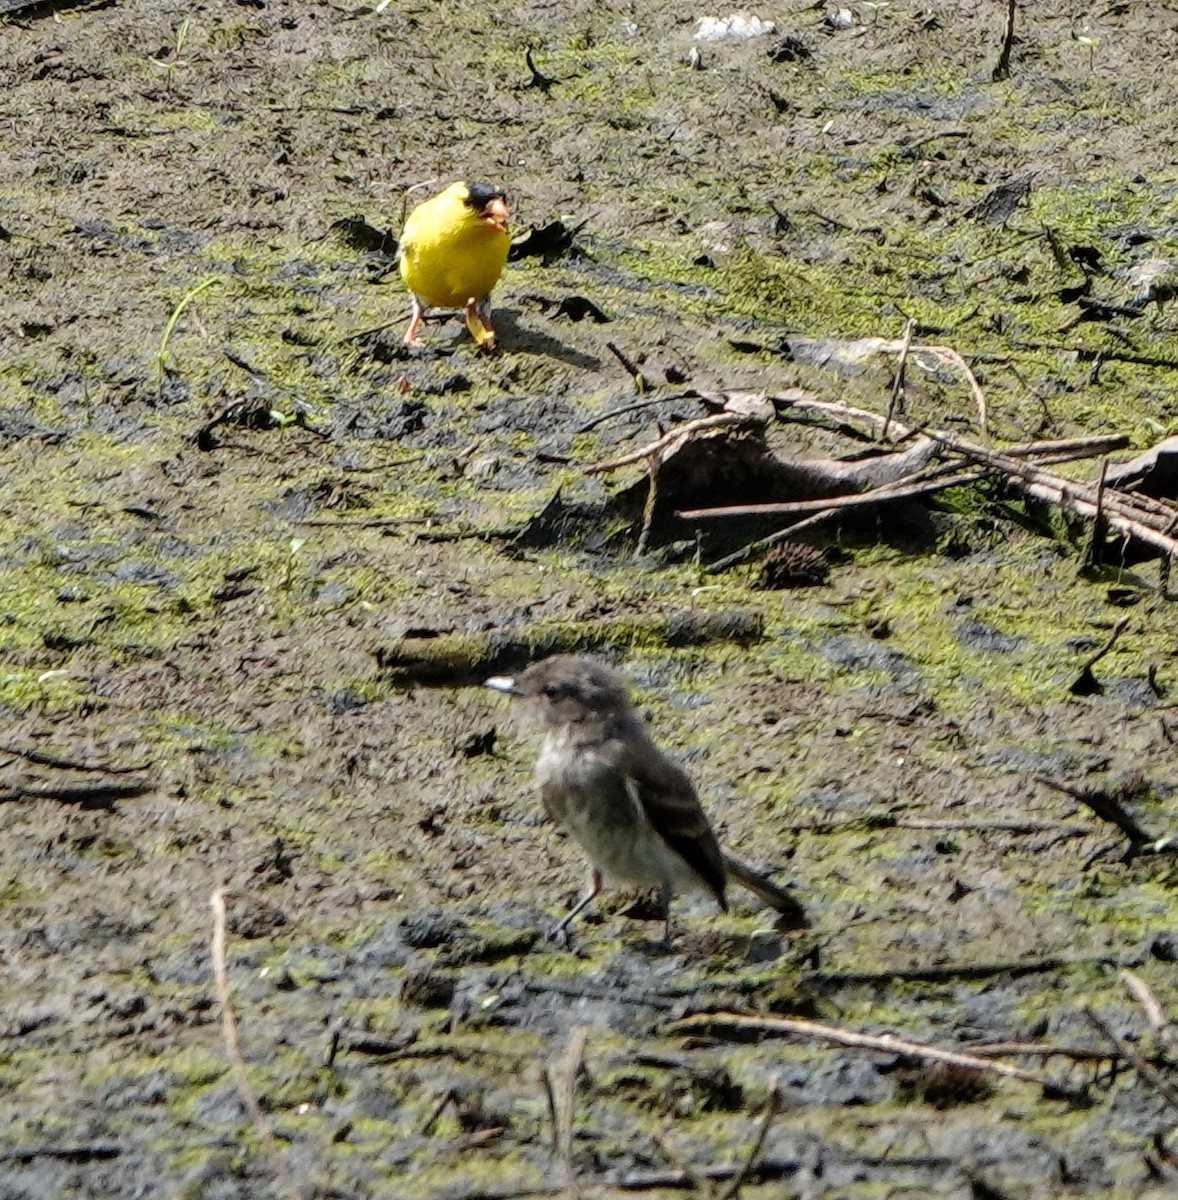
612 828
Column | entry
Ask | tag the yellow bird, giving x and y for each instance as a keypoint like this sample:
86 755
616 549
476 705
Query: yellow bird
452 252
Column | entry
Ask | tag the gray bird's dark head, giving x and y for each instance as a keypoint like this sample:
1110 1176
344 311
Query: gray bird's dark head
568 690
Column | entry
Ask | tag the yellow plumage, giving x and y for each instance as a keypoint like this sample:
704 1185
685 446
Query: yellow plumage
453 249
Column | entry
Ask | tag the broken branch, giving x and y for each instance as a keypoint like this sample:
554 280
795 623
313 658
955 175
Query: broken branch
885 1043
904 489
670 441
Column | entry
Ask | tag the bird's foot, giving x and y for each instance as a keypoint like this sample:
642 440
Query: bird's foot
480 328
559 935
487 342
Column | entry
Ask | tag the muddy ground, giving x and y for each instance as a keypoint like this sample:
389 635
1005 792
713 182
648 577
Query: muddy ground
233 518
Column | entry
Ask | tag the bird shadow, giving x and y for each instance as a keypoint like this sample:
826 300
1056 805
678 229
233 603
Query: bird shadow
515 338
511 338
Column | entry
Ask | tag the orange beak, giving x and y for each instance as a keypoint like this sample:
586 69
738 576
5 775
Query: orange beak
496 214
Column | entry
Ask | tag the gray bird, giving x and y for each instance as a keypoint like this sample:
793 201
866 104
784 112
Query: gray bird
632 809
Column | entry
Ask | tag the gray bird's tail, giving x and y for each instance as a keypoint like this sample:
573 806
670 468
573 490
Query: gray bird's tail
793 915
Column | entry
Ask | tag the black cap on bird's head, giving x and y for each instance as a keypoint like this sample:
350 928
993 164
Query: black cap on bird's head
568 689
488 202
479 195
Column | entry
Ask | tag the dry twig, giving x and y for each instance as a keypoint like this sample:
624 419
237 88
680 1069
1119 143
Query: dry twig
561 1084
1094 551
772 1107
372 523
782 535
632 370
1034 1050
1144 995
43 759
233 1048
949 355
1067 449
1149 520
896 400
1002 66
921 484
885 1043
648 507
1145 1070
670 442
637 406
1107 805
96 794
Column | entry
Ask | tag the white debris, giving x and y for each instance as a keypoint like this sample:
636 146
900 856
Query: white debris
737 27
1153 279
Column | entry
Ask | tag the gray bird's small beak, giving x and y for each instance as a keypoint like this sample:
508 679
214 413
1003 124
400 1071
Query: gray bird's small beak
503 683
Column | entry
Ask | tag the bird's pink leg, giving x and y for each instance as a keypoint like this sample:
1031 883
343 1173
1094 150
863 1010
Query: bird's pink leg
411 338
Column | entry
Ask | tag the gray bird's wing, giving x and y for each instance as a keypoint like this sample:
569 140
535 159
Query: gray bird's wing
673 809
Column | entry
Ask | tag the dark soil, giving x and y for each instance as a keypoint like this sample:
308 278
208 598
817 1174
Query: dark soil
255 559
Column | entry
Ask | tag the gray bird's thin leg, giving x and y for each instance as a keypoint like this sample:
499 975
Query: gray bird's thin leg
665 896
557 932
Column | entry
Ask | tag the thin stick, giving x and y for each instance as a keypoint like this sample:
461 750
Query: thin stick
1085 447
447 1098
233 1048
631 369
1139 516
1129 1053
1107 808
1023 827
1143 994
1031 1049
772 1107
563 1079
553 1118
69 764
652 493
885 1043
374 523
637 406
898 382
1075 447
1002 66
909 148
902 489
947 352
669 441
1118 629
782 535
1095 554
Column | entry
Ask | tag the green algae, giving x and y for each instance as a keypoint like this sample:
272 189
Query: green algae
965 279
